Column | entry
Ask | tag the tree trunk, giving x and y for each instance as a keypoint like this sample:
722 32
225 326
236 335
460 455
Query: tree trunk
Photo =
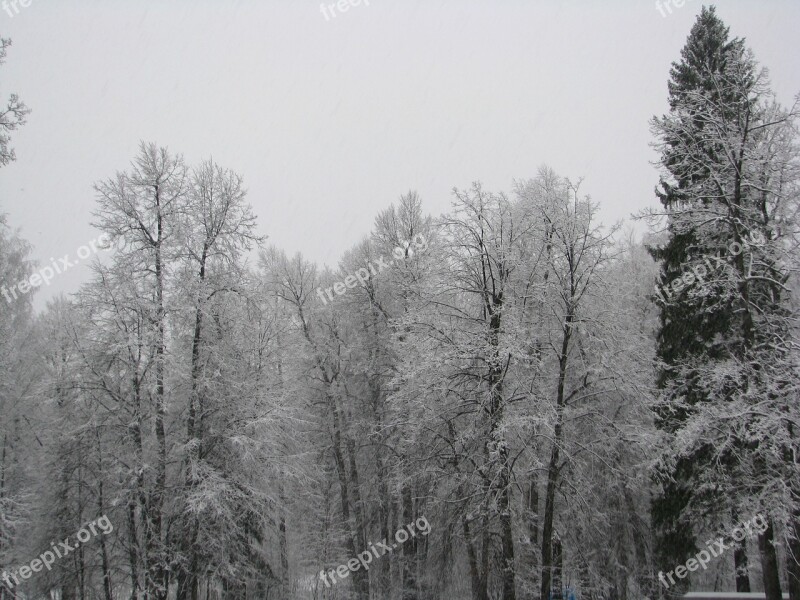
187 575
133 559
557 585
549 507
283 545
157 581
360 534
769 563
486 549
101 511
381 569
532 508
80 564
360 577
69 578
477 577
552 468
502 486
793 561
793 545
409 591
506 532
741 567
740 563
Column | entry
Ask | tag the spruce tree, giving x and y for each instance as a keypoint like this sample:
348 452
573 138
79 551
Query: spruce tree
684 331
729 153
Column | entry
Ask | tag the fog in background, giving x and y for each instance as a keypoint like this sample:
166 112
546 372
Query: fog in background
329 121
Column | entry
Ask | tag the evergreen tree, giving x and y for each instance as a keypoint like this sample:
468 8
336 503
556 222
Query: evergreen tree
685 331
726 162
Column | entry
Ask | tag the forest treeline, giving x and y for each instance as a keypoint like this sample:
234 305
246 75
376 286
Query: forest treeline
519 382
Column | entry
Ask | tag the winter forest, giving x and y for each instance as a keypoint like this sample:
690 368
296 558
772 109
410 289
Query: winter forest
510 400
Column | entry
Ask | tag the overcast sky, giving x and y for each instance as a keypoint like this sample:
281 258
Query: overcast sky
330 121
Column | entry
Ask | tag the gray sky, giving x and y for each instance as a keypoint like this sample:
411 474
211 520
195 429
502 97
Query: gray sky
329 121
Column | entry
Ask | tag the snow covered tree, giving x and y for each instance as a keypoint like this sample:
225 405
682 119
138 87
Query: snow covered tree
729 177
140 212
17 375
11 116
216 230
